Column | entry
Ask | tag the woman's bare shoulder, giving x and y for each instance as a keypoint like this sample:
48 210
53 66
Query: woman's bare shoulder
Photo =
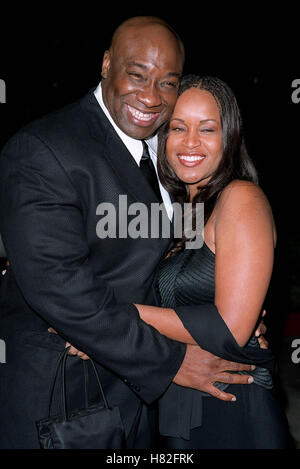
238 193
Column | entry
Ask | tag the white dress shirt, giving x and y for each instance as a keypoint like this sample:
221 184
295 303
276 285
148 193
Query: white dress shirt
135 148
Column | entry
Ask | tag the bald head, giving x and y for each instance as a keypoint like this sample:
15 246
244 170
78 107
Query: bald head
140 75
136 25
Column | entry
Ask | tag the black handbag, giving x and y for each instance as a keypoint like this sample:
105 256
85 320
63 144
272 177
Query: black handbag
95 427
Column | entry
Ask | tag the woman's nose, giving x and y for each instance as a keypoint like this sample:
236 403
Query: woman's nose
192 139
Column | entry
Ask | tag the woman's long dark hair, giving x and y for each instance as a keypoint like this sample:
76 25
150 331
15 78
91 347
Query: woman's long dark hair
235 162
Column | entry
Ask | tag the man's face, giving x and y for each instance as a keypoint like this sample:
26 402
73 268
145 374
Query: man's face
140 80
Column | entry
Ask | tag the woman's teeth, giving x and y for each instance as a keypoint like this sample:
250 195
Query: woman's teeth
190 158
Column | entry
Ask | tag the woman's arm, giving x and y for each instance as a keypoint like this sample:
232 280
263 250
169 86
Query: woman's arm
244 241
166 321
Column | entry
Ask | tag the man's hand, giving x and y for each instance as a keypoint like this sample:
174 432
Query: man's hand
201 369
72 350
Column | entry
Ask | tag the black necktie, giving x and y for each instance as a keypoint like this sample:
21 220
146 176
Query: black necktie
149 172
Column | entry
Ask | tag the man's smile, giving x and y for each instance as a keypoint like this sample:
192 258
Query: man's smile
142 118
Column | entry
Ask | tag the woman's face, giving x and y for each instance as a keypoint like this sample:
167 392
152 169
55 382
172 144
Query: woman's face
194 145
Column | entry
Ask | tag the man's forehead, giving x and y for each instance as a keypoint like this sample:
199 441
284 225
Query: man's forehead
146 52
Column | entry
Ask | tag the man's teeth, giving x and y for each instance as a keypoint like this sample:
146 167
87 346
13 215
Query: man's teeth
190 158
140 115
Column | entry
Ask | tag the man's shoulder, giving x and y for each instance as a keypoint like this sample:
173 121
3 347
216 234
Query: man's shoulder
59 121
65 124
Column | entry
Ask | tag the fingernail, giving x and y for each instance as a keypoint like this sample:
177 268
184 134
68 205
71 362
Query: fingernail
253 367
250 380
233 399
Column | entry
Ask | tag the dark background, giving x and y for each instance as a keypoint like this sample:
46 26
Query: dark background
49 59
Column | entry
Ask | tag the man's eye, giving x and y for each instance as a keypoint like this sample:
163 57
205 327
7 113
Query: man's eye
136 76
169 84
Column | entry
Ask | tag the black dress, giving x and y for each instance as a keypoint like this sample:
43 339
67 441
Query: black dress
191 418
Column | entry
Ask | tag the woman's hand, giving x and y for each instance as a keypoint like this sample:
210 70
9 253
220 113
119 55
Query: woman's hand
260 332
72 351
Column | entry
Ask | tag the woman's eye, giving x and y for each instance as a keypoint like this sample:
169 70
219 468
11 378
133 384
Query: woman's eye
207 130
177 129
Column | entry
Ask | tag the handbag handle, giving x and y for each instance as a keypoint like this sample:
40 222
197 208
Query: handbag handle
61 363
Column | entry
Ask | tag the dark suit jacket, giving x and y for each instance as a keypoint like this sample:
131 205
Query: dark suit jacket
53 175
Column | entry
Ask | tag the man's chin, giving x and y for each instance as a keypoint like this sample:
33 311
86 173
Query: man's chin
140 133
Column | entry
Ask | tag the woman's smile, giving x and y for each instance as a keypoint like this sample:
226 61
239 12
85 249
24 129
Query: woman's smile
190 160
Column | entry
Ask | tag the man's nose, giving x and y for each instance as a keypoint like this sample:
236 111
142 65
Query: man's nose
149 96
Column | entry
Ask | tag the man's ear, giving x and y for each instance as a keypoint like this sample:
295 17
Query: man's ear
106 64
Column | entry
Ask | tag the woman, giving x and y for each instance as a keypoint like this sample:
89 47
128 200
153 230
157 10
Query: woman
202 158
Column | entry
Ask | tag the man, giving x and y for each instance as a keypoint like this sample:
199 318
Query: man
54 174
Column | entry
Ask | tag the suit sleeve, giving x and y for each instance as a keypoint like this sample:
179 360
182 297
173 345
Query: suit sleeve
43 228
